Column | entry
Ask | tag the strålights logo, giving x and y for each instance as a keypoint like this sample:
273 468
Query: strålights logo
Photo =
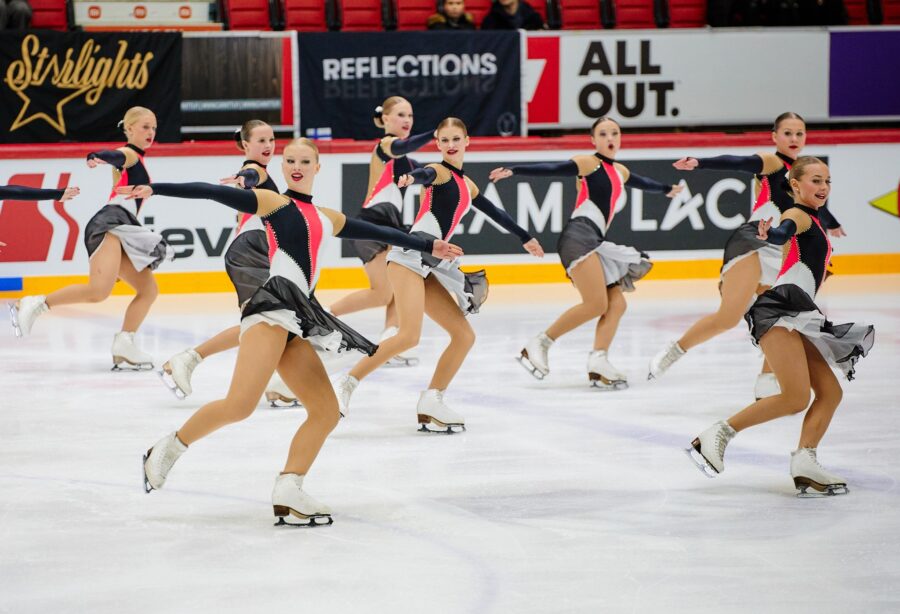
72 73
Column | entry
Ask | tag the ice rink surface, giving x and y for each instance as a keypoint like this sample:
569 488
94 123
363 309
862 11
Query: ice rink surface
559 498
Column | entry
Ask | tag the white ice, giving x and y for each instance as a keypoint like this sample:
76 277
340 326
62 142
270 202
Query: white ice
559 498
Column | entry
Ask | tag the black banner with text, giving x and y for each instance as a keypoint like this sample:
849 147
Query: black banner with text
76 86
473 76
703 216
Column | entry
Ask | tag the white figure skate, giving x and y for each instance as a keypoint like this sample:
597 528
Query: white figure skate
125 352
534 356
766 386
159 460
431 410
808 473
176 372
400 360
707 451
343 390
279 395
602 374
289 500
23 315
664 359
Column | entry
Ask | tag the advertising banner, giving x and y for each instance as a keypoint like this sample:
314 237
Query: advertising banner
474 76
76 86
863 80
46 238
671 78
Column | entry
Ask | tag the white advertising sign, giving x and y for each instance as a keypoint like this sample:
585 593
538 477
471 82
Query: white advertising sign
673 77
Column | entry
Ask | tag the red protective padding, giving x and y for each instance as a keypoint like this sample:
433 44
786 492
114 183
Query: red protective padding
763 140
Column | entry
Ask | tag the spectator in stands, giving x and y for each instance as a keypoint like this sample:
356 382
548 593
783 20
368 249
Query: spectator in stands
15 15
512 15
452 16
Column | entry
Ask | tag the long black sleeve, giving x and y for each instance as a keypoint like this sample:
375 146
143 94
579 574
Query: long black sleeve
501 217
18 192
362 230
781 235
565 168
251 177
827 218
748 164
423 176
401 147
242 200
646 184
113 157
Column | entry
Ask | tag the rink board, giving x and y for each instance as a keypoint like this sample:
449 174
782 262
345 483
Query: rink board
44 240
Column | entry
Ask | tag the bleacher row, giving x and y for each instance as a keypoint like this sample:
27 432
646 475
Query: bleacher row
377 15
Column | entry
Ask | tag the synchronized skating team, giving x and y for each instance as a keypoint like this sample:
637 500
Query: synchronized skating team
775 264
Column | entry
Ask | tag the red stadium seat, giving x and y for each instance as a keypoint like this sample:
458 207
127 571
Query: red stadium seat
305 15
856 12
49 14
413 14
540 6
248 15
361 15
634 14
479 10
891 10
580 14
687 13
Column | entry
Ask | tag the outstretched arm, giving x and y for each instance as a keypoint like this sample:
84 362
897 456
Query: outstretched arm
425 175
17 192
351 228
779 235
500 216
830 223
748 164
566 168
402 147
651 185
113 157
244 201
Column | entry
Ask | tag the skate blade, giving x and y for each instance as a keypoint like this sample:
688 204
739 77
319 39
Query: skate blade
279 401
528 366
818 490
147 486
309 522
700 461
120 364
14 319
402 361
606 385
426 423
169 383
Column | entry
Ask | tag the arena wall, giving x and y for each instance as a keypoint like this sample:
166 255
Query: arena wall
44 240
